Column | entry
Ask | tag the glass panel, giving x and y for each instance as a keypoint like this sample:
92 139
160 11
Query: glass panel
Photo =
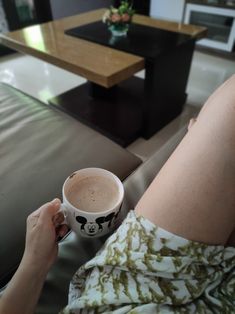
3 21
219 26
25 10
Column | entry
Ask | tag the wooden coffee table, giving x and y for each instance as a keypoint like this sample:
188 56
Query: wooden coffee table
114 102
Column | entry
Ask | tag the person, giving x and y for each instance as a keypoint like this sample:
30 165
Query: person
175 253
41 249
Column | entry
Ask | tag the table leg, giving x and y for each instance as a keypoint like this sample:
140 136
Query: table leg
97 91
115 112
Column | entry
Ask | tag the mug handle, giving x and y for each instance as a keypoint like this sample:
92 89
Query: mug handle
62 210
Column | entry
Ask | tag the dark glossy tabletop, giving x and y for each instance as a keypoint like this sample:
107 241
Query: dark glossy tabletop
144 41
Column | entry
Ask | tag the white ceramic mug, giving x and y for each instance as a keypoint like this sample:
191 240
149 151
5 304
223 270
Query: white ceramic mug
86 223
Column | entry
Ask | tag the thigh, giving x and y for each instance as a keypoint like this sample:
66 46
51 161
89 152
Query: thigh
193 194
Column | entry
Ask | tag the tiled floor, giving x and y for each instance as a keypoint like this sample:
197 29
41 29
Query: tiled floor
42 80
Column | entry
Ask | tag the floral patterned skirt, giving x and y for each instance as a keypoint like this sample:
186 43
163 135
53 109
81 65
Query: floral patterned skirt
145 269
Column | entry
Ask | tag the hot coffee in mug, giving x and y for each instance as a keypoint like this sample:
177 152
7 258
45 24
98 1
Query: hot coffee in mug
92 199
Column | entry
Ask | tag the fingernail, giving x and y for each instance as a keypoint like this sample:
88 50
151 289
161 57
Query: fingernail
56 201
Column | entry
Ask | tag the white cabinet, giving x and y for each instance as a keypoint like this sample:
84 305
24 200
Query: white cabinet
167 9
220 24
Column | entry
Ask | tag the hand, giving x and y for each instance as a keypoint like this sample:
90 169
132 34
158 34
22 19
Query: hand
43 232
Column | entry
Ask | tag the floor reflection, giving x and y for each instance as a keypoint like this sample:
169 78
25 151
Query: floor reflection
43 80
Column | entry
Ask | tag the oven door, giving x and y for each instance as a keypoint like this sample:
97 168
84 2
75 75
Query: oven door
220 23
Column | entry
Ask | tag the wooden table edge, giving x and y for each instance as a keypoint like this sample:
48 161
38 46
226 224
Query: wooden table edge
105 81
137 64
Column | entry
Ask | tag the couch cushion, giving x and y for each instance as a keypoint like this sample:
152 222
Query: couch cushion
75 251
39 147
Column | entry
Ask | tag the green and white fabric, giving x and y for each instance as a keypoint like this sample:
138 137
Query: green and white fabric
145 269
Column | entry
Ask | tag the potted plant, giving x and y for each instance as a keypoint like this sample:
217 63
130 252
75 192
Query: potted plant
118 19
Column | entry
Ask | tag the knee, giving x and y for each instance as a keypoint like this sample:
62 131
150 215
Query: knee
228 93
221 104
231 82
224 96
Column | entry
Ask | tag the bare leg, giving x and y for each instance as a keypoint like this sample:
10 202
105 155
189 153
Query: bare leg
194 193
191 123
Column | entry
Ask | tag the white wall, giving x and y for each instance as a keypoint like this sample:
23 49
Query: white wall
62 8
167 9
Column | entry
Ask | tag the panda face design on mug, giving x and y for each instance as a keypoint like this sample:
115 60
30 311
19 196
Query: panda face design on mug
93 228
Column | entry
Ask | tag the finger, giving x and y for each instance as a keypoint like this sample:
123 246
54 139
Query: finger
49 210
61 232
37 212
58 218
32 220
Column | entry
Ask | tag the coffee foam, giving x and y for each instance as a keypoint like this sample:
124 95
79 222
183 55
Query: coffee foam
93 194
